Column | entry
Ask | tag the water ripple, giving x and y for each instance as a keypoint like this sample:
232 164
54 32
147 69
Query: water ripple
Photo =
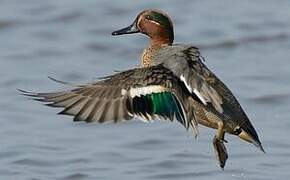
7 24
75 176
184 175
246 40
35 162
271 99
246 43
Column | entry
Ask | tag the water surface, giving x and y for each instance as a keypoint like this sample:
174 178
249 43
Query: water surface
246 43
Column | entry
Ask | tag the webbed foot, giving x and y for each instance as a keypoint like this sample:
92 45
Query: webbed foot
219 147
220 151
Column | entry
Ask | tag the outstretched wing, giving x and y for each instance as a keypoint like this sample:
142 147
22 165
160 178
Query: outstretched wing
186 63
148 93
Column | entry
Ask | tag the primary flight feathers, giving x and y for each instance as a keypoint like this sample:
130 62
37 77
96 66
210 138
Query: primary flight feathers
148 93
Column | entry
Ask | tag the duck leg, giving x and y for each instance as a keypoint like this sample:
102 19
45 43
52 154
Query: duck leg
219 147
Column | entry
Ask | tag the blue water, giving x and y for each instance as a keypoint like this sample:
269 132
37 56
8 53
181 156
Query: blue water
246 43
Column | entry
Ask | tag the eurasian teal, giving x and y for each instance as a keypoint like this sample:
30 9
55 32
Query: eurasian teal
173 83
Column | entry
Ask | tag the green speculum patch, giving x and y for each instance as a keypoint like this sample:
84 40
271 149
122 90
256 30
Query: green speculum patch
164 104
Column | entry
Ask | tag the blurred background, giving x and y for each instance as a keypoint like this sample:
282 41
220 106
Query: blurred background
246 43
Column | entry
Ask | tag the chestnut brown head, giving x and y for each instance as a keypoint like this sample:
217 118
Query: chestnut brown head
154 23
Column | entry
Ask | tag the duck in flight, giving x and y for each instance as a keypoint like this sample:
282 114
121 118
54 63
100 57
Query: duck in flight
173 83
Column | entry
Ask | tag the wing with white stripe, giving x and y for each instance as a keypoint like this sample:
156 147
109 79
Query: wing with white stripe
149 93
185 62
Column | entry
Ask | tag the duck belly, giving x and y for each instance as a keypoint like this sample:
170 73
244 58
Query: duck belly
206 119
211 120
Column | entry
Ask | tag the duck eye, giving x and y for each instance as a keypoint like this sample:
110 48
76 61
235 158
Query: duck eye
148 17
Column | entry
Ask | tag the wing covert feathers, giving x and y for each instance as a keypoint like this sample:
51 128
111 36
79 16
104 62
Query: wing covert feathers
149 93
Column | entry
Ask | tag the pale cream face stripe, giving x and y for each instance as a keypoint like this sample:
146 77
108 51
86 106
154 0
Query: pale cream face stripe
139 19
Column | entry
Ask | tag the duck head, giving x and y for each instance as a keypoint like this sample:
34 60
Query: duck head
155 24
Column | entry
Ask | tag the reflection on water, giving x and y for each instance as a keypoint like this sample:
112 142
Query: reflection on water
245 42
